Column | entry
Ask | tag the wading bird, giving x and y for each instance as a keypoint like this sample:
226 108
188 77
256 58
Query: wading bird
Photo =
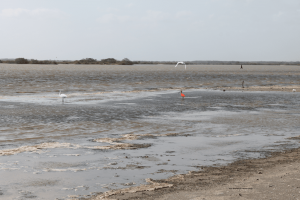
63 96
294 90
181 63
182 94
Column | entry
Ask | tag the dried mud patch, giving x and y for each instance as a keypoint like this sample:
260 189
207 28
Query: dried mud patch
60 165
129 166
115 142
136 137
42 182
166 171
122 146
294 138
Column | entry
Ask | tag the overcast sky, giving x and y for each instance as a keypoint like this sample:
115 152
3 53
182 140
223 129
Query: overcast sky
241 30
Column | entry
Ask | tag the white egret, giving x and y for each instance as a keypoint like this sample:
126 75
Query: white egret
181 63
63 96
294 90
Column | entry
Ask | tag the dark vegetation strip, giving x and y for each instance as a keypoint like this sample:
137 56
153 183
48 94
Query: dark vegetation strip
126 61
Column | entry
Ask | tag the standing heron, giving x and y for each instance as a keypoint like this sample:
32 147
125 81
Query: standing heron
63 96
181 63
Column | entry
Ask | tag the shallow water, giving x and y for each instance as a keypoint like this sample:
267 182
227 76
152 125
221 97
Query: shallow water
50 149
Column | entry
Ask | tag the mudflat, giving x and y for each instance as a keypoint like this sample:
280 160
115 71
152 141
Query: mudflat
275 176
125 131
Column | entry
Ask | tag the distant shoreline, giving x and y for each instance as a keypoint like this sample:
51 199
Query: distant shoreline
126 61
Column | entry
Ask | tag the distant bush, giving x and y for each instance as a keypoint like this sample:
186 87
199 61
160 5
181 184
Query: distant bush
43 62
88 60
109 61
125 61
0 61
21 61
33 61
9 61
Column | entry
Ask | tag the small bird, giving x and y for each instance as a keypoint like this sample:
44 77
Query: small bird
243 84
294 90
241 67
181 63
63 96
182 94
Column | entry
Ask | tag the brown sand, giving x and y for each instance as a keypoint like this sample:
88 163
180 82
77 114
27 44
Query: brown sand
274 177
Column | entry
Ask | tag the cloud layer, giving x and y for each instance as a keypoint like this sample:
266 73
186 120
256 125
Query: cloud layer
151 30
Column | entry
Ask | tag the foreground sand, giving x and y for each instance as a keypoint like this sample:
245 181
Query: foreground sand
274 177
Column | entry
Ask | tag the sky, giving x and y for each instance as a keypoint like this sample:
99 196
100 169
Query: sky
153 30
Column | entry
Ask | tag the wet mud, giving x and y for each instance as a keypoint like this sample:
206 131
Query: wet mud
224 182
150 187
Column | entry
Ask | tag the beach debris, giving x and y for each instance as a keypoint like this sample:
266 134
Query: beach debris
128 184
116 144
37 148
122 146
116 141
64 170
115 163
151 187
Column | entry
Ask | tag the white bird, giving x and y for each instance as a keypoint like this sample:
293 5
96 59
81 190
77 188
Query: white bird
294 90
181 63
63 96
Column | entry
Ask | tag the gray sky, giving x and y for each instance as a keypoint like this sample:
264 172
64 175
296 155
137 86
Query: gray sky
242 30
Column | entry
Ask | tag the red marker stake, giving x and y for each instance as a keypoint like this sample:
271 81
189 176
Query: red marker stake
182 94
